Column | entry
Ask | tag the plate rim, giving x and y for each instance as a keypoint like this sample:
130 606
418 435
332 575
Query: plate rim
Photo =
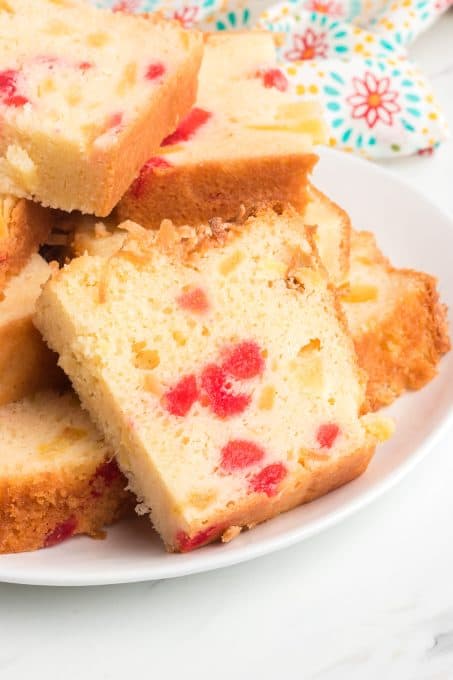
199 561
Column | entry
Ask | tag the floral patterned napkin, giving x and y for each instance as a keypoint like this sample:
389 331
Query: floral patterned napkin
351 54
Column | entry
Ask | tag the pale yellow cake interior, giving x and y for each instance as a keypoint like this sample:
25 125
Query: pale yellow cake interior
47 432
332 236
19 297
374 290
107 317
7 205
73 73
246 117
70 93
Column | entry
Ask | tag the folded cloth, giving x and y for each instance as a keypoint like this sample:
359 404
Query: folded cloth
351 54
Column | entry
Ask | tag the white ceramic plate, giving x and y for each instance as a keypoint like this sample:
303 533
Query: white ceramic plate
414 233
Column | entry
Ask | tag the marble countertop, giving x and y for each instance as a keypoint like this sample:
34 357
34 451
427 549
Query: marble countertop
370 599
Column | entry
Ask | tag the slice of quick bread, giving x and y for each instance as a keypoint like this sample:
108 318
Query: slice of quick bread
86 234
399 326
57 478
217 363
26 363
87 99
247 142
24 226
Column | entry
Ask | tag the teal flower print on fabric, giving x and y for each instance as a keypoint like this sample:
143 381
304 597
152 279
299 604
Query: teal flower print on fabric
350 54
377 110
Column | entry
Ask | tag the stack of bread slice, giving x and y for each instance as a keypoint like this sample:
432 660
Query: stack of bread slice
225 330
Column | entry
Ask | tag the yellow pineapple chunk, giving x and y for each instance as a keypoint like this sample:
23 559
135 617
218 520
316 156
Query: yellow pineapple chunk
128 79
97 39
68 436
360 292
309 372
179 338
145 358
152 385
202 500
6 7
267 396
379 427
230 263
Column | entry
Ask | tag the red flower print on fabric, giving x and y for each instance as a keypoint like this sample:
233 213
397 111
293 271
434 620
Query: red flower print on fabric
373 100
308 45
333 9
427 151
443 4
187 16
126 6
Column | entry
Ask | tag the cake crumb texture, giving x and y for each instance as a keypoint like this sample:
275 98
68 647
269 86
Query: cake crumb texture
57 476
398 323
173 346
27 365
248 141
24 226
80 116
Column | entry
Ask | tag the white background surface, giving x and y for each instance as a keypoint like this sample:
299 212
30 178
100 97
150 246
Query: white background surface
371 599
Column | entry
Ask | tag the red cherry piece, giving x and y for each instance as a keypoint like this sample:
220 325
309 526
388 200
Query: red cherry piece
16 101
244 360
273 77
139 184
188 127
114 120
61 532
327 434
219 398
194 300
239 454
186 543
8 89
267 480
155 70
108 471
179 399
85 65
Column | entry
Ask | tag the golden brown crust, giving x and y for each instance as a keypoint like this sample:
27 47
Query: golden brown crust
313 481
197 193
38 510
26 229
117 169
182 242
402 351
94 180
26 363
